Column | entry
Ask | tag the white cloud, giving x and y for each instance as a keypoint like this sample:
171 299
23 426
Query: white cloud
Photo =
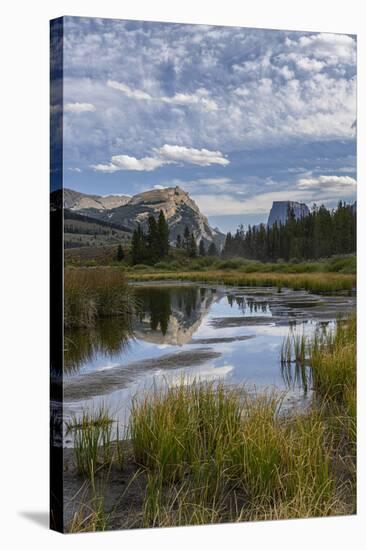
129 92
326 181
79 107
217 205
303 62
167 154
321 189
333 48
125 162
157 186
200 157
74 169
286 72
200 97
168 81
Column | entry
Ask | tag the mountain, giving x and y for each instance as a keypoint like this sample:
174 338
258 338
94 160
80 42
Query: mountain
280 209
73 200
179 209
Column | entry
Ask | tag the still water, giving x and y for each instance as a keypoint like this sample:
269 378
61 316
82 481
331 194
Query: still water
186 332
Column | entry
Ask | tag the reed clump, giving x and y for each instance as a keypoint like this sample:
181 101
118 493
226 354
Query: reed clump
94 448
331 357
96 293
333 362
214 454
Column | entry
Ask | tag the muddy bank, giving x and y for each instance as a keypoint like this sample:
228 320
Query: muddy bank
123 491
223 340
227 322
108 380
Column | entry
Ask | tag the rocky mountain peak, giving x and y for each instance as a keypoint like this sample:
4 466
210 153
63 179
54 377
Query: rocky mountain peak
179 209
280 209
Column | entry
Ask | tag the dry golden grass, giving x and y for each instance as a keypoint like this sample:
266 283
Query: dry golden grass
315 282
94 293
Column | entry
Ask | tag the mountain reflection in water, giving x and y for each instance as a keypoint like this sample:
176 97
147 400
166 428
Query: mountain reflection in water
243 328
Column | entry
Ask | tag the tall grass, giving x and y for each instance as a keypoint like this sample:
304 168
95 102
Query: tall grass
333 361
214 454
90 515
94 293
331 356
314 282
330 359
93 446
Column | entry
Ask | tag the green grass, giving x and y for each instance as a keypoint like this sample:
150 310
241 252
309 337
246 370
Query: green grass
331 355
177 260
333 362
94 293
180 263
214 454
328 365
92 438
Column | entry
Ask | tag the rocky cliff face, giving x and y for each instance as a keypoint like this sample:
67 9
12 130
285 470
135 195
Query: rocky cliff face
179 209
280 209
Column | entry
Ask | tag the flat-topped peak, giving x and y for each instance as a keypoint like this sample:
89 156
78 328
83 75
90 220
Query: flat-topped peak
280 210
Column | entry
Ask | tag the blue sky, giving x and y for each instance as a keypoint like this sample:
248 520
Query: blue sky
238 117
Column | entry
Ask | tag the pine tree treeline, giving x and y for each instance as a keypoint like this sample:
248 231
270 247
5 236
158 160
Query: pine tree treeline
321 234
188 243
152 246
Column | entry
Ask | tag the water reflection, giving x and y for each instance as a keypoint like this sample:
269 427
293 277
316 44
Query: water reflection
249 305
242 328
296 375
231 334
170 315
109 336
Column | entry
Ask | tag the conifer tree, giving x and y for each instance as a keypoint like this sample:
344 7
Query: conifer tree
138 246
212 250
153 240
163 230
120 253
202 249
186 238
192 246
320 234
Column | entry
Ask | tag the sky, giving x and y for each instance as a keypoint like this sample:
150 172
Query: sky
237 117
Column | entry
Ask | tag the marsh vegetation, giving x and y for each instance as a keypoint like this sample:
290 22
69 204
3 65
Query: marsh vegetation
92 294
314 282
203 452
